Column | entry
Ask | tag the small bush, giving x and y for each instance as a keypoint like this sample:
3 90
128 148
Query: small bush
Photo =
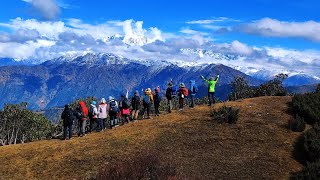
226 115
311 144
144 166
298 124
312 171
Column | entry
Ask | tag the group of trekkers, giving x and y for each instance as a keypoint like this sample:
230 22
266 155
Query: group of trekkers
124 111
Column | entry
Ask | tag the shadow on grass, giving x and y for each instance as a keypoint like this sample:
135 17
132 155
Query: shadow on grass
146 165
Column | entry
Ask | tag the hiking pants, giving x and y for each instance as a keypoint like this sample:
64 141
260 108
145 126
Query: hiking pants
156 107
211 98
147 107
181 103
113 119
93 124
169 106
192 100
82 127
67 129
103 123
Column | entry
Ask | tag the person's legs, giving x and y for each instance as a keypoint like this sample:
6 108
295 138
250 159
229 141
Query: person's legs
181 103
98 122
213 99
133 114
65 129
104 121
145 108
83 128
156 108
136 114
170 106
148 110
70 131
111 121
91 124
79 127
192 101
209 98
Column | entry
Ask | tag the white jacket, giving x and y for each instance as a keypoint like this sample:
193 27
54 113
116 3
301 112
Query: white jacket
103 113
95 111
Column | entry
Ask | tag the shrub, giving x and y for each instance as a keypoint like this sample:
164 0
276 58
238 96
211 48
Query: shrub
312 171
240 89
273 87
298 124
311 144
19 125
143 166
225 114
307 106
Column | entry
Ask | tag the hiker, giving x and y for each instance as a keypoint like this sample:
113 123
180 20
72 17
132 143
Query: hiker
82 116
211 88
157 100
147 100
171 93
93 117
135 103
193 90
124 107
182 93
103 113
68 117
113 112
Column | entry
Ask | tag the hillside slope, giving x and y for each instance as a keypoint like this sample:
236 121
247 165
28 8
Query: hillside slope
258 147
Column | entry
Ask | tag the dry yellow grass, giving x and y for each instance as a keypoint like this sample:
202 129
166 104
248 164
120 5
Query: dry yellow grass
259 146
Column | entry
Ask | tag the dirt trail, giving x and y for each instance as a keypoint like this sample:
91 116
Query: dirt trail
259 146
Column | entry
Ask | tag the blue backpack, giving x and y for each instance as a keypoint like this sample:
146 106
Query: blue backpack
174 91
146 99
113 107
194 89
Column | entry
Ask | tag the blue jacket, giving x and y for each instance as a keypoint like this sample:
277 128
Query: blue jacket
193 87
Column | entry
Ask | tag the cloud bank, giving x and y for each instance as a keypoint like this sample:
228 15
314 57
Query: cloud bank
44 40
47 9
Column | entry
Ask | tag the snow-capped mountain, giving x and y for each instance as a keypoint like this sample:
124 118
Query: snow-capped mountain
301 79
62 80
203 58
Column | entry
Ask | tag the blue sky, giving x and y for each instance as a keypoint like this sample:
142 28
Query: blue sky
255 29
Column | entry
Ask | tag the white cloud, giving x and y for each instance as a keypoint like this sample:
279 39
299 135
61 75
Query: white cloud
309 30
48 9
240 48
47 29
189 31
210 21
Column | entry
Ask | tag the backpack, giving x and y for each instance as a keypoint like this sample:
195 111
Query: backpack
146 99
158 97
113 107
174 91
125 104
135 100
91 112
69 116
194 89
